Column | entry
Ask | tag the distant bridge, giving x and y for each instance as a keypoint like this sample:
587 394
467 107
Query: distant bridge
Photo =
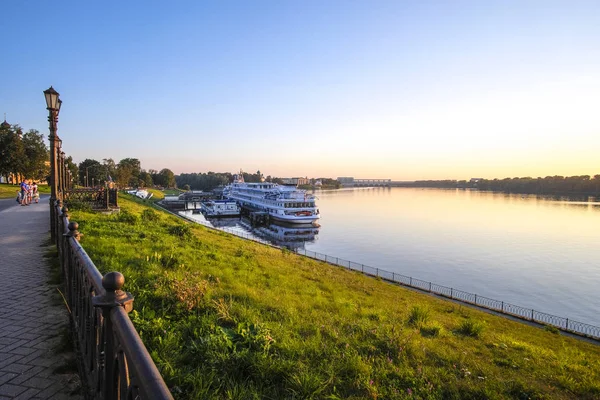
351 182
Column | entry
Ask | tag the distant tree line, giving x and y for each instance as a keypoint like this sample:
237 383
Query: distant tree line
125 173
210 180
579 184
23 155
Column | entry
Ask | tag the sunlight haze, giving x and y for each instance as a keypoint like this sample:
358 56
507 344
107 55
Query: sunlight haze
370 89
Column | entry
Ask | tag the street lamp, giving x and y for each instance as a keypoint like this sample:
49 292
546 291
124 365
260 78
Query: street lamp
53 104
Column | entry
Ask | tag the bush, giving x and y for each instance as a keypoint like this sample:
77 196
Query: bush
150 215
551 329
180 230
76 205
418 316
470 328
127 217
431 330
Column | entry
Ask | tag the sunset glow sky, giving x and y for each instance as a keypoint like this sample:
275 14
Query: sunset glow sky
370 89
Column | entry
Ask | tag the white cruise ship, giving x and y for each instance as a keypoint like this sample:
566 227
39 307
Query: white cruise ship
283 203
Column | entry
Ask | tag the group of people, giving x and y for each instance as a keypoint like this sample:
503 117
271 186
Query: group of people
28 193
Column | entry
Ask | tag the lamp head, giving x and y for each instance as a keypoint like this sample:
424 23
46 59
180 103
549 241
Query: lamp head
52 99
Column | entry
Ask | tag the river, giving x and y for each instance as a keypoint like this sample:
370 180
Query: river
535 252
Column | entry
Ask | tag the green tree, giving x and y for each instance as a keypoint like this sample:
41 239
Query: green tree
110 168
71 166
128 172
90 172
12 151
36 156
146 178
166 178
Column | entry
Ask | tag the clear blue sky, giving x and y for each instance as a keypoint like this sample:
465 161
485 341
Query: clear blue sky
371 89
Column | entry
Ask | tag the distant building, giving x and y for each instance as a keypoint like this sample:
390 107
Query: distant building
296 181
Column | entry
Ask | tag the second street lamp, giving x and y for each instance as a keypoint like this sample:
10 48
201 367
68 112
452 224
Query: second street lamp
53 104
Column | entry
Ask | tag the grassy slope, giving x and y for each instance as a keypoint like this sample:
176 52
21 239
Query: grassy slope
10 191
227 318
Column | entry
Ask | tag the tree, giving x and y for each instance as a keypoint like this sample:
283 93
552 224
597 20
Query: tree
128 172
110 168
12 151
71 166
166 178
146 178
90 172
186 187
36 156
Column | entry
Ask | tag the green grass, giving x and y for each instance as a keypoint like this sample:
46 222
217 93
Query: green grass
225 318
10 191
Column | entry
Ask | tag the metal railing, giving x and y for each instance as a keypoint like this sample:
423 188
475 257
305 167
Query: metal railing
562 323
115 362
97 199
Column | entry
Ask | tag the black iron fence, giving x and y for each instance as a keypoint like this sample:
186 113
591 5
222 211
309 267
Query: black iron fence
562 323
115 362
96 198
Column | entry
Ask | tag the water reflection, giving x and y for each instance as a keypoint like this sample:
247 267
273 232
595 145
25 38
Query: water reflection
291 236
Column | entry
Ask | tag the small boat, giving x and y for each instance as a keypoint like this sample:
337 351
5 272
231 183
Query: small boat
220 208
141 193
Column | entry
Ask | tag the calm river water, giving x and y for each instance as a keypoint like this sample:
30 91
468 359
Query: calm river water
534 252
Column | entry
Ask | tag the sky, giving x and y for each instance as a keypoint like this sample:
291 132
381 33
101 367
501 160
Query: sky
400 90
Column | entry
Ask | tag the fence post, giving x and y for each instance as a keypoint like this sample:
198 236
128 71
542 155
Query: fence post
502 306
377 272
475 298
532 314
362 268
429 287
451 293
567 328
113 297
410 282
394 276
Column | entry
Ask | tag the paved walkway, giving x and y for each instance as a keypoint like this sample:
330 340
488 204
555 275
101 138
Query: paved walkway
33 318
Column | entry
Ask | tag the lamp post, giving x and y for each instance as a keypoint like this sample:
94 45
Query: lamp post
63 180
53 104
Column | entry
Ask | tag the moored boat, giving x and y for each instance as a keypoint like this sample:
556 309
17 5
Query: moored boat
220 208
282 202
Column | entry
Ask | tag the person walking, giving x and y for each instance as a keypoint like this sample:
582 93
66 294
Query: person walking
24 193
35 193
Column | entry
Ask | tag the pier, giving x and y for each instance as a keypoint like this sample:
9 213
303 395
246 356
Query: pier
186 201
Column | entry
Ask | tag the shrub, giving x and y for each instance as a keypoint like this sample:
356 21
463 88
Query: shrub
76 205
431 330
418 316
551 329
150 215
127 217
180 230
470 328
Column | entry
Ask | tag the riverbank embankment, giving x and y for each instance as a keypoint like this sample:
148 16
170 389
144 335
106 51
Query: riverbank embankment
223 315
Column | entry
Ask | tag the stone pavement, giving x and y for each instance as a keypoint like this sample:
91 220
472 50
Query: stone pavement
33 318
